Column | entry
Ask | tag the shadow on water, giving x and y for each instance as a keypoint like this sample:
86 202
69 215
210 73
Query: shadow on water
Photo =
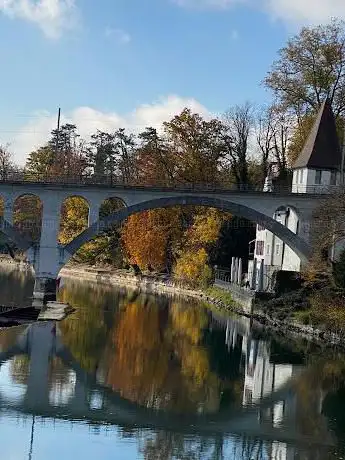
175 379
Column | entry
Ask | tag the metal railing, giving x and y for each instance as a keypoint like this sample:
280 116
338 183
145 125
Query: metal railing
117 182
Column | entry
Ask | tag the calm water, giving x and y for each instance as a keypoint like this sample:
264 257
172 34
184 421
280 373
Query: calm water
132 376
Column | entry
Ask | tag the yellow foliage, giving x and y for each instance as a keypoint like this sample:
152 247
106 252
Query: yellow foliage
206 227
190 267
74 218
189 322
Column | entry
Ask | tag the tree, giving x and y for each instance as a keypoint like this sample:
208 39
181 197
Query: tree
192 264
310 68
147 238
196 147
74 218
125 151
6 163
154 160
101 155
273 131
238 124
39 164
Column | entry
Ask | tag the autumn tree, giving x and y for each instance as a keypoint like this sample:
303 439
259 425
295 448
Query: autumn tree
192 264
74 218
27 216
39 164
197 147
148 238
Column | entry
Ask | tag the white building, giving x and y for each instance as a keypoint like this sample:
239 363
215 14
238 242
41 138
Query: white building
316 170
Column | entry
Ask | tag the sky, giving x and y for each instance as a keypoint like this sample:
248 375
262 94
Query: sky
135 63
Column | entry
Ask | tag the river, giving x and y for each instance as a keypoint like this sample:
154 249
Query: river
137 376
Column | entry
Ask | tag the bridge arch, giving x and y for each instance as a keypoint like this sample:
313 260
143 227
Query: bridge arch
111 205
27 216
74 216
296 243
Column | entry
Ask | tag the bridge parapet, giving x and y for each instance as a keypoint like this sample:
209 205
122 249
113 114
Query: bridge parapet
48 256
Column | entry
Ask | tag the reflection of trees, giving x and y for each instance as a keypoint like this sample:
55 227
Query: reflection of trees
174 446
9 337
151 350
85 332
16 287
156 358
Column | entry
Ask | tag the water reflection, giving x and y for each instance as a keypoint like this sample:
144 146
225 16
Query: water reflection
169 380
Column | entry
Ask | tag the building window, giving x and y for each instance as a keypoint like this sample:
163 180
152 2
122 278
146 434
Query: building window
267 249
297 176
278 249
261 228
333 178
318 176
260 248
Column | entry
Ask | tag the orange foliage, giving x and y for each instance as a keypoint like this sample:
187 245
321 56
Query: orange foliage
147 237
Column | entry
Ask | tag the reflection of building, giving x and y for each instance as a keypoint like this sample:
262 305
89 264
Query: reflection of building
262 377
316 170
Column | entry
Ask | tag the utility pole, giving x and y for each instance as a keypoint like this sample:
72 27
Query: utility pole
58 132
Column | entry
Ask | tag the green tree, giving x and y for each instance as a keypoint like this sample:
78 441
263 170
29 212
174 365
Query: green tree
310 68
197 147
101 154
39 163
154 159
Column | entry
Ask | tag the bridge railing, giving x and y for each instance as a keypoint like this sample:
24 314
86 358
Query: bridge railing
113 181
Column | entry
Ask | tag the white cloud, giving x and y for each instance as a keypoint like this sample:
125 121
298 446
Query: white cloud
88 120
306 11
51 16
119 35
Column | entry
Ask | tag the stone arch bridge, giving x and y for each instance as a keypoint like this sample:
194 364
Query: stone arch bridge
48 256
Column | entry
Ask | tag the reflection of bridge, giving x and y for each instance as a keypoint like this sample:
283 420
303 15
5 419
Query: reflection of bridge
48 256
93 402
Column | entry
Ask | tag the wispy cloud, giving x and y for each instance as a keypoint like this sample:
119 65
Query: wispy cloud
305 11
120 35
289 11
51 16
36 132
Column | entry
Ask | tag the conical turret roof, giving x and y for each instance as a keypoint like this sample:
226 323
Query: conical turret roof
322 149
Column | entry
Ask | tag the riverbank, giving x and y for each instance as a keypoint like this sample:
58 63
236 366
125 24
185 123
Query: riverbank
214 296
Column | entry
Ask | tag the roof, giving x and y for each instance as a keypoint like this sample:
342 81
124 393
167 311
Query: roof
322 148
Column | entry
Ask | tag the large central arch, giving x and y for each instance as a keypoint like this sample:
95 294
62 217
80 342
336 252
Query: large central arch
296 243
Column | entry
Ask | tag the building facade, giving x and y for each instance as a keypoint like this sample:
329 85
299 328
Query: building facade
317 170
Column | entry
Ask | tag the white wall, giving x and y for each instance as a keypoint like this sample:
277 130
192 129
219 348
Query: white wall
304 181
291 262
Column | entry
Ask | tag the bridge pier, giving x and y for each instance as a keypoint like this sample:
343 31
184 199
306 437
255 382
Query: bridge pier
45 289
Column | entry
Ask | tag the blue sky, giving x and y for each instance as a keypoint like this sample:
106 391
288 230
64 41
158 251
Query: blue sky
134 63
